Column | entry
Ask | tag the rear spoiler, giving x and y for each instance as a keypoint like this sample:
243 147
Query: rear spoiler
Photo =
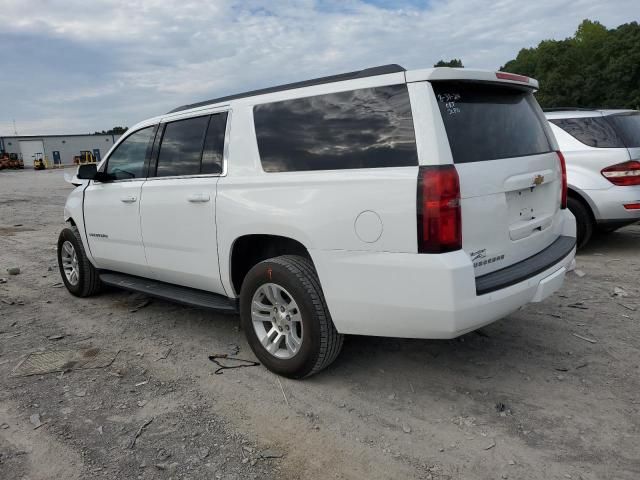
465 74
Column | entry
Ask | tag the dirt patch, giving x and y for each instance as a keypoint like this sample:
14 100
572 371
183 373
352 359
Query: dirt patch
39 363
11 231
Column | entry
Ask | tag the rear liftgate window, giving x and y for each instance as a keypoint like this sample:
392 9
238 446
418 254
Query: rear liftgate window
366 128
490 122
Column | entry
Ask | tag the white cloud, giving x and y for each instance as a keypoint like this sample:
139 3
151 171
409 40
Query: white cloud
152 55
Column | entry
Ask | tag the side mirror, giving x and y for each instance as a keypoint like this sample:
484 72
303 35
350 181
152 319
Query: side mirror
103 177
87 172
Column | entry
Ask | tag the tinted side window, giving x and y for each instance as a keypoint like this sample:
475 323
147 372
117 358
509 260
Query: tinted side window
214 144
628 126
181 147
128 159
489 122
366 128
592 131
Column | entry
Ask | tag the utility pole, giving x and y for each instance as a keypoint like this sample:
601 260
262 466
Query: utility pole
15 132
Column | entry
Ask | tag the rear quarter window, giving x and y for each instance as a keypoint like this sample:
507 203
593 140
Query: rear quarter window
365 128
628 127
592 131
490 122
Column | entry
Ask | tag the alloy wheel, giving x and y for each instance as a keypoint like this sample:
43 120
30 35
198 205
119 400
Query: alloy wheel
277 320
70 263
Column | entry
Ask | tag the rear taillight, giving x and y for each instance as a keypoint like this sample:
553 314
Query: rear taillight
439 217
632 206
623 174
563 169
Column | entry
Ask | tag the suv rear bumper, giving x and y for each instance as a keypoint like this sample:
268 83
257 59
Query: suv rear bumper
421 296
609 204
526 269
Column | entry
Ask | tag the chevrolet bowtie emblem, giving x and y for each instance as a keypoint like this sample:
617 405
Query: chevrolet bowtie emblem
538 179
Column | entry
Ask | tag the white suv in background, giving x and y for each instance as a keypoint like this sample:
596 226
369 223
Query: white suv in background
602 152
421 204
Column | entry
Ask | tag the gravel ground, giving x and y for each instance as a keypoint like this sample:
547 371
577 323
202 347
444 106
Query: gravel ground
552 391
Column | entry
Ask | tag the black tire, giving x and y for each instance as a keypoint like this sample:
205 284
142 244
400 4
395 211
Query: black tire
88 282
321 342
607 230
584 221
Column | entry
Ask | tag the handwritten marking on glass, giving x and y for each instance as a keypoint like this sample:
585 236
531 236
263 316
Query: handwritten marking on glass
449 100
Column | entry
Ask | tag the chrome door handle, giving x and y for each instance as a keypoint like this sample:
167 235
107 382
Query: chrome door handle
129 199
198 198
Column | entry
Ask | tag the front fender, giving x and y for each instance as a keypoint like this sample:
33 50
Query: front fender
73 213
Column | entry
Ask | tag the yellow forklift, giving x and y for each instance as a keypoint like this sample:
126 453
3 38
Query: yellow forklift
85 156
39 162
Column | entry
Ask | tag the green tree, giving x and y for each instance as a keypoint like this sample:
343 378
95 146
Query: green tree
113 131
597 67
454 62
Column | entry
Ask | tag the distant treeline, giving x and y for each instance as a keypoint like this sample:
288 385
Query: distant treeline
113 131
597 67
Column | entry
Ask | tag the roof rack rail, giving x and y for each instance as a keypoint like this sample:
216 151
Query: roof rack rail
367 72
567 109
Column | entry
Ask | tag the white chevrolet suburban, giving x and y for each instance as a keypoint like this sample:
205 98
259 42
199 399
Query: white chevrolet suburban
420 204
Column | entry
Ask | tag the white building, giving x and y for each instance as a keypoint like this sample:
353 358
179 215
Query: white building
58 149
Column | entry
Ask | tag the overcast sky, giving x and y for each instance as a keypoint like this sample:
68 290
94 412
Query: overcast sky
77 66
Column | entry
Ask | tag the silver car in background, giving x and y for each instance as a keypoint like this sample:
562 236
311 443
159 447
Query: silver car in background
602 154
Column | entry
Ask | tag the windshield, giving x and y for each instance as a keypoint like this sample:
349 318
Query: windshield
628 127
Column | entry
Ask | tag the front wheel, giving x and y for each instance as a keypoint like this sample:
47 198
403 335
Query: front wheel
285 317
78 274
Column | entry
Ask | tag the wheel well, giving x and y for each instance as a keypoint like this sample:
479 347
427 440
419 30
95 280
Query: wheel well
249 250
71 222
575 195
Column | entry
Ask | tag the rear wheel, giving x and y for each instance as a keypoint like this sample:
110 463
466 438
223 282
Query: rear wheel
584 221
78 274
286 319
